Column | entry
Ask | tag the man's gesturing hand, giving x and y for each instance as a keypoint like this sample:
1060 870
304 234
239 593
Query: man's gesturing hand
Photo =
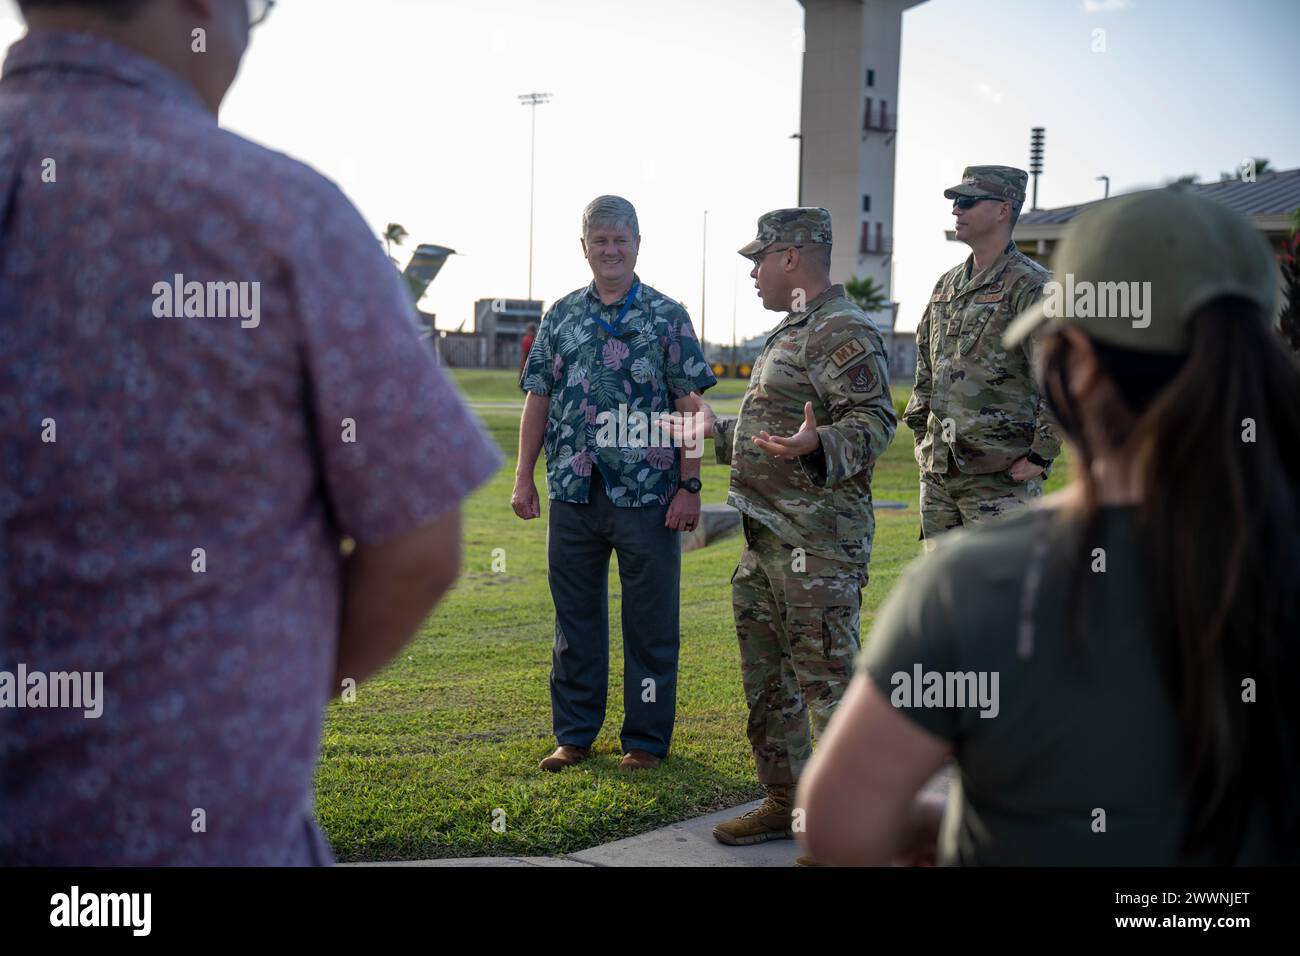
1022 469
524 499
692 426
803 442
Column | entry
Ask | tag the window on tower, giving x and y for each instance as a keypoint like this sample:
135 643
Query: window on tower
871 77
866 203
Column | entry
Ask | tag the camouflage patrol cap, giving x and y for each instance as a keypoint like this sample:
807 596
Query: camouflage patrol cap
1131 271
807 225
991 182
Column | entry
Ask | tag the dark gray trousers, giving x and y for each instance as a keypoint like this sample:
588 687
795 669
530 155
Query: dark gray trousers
580 539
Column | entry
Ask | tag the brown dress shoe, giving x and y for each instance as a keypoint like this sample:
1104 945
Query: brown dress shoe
638 760
565 756
808 860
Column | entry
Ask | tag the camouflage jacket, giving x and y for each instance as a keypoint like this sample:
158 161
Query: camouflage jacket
613 386
975 399
829 354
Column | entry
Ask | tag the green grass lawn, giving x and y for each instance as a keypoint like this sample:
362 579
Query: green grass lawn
452 730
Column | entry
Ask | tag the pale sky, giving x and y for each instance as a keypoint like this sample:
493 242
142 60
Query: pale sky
686 105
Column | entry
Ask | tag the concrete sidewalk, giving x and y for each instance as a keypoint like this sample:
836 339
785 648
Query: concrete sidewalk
689 843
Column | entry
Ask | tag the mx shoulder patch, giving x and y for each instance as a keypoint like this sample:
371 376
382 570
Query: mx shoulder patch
847 352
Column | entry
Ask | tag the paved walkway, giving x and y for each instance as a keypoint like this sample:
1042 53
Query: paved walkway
689 843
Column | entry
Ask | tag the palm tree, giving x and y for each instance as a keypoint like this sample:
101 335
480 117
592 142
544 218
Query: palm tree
867 294
394 233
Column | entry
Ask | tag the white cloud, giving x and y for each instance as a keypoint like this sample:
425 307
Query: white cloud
1100 6
988 93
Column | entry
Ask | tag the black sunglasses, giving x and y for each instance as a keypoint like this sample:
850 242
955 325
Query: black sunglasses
965 202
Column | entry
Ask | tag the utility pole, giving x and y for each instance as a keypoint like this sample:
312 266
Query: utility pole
704 265
532 100
1036 159
733 323
799 137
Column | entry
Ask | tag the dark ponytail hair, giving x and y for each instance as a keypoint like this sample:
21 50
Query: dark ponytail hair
1215 438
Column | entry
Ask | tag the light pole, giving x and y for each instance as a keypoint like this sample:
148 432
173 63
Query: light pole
733 323
799 193
704 259
532 100
1105 179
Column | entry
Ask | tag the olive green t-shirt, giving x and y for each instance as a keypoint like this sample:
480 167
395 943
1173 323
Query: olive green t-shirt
1063 758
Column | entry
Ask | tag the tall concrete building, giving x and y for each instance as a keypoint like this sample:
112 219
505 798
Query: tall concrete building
849 116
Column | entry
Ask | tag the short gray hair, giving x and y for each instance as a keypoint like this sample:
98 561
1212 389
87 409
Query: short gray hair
818 253
610 211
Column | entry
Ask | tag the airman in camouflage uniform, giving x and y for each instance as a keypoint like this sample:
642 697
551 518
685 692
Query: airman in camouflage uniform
981 427
822 377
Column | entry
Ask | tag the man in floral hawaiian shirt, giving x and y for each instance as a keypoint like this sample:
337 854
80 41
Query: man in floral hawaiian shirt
608 360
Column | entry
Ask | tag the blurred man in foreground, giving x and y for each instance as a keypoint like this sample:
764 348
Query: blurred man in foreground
208 374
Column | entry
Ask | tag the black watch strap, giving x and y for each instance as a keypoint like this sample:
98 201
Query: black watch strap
1036 459
693 485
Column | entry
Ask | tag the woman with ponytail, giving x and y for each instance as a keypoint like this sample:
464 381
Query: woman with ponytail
1116 672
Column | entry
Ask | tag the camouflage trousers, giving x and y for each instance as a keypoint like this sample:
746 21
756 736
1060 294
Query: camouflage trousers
797 622
956 499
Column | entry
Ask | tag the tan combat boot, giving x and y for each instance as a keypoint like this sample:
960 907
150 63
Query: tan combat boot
769 821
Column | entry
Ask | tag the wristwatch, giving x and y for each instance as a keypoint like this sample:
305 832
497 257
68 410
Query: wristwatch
1036 459
693 485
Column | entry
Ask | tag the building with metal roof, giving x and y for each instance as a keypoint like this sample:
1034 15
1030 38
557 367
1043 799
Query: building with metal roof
1270 202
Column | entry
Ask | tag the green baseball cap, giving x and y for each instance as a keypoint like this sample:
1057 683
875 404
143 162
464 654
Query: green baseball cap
990 182
801 226
1130 271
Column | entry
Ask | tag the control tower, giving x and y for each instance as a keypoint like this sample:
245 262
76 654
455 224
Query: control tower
848 121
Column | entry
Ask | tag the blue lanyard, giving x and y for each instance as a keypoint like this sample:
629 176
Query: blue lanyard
627 304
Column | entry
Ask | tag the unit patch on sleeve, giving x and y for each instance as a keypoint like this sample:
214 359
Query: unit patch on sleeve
861 378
